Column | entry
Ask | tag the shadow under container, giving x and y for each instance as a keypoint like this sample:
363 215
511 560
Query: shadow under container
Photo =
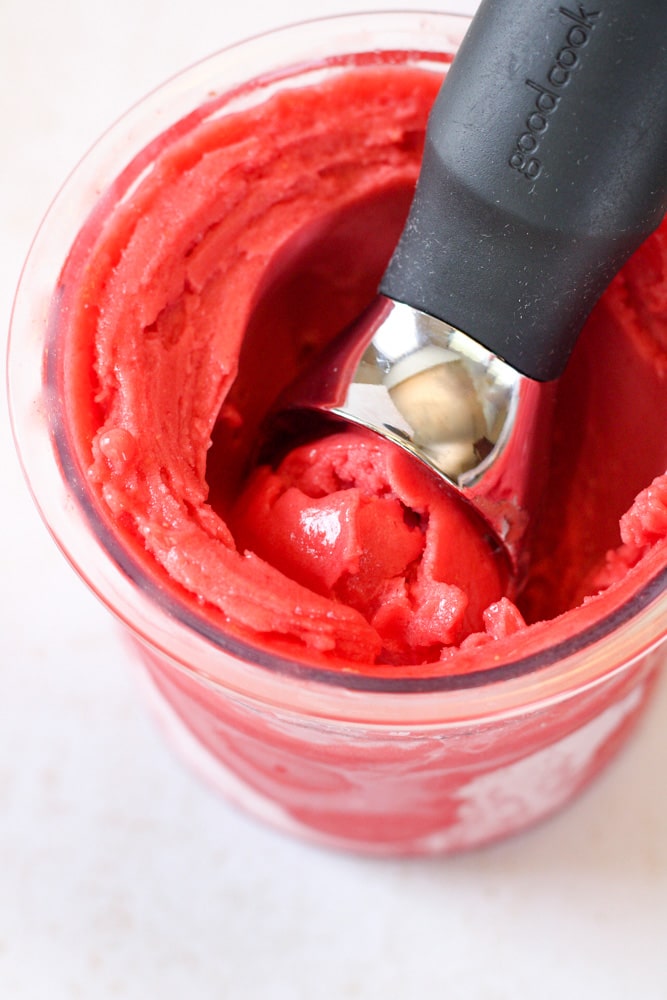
371 763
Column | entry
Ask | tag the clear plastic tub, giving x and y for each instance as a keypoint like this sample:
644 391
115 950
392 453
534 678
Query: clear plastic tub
373 762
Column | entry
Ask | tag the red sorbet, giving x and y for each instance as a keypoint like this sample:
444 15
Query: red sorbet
197 291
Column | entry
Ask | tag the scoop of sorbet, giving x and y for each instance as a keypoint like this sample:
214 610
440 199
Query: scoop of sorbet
358 521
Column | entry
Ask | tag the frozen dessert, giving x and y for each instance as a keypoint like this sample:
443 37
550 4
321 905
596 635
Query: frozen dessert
359 522
327 638
210 273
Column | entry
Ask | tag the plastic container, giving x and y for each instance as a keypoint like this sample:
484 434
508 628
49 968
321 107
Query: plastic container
369 762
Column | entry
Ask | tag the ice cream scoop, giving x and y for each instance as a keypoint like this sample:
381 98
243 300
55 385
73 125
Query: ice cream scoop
544 168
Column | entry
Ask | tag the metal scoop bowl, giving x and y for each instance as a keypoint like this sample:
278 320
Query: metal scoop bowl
475 421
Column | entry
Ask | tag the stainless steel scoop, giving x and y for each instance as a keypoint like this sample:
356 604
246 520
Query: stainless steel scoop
440 395
544 168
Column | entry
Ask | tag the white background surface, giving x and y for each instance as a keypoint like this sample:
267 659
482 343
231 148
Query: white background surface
121 876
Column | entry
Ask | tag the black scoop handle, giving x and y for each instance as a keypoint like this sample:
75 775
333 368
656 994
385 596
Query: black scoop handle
545 167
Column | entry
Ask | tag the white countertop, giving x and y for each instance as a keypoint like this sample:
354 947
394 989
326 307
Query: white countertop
121 876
